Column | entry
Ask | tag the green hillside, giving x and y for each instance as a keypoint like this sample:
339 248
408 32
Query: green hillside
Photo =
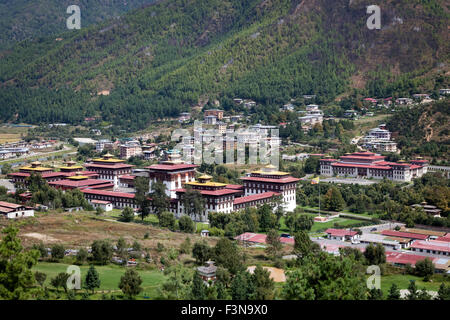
175 54
28 19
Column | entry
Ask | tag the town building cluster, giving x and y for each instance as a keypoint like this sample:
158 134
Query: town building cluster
17 149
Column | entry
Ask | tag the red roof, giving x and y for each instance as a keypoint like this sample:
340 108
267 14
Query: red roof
234 186
404 258
281 180
100 201
353 165
365 157
393 233
172 167
261 238
444 238
432 245
127 176
10 205
54 174
108 166
109 193
18 174
255 197
330 160
341 232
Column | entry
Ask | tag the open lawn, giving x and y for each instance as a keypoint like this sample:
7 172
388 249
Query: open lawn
109 277
402 281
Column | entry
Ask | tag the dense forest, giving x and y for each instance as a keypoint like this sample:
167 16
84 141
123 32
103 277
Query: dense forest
27 19
172 55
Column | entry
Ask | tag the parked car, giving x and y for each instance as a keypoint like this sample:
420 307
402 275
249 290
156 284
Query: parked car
373 229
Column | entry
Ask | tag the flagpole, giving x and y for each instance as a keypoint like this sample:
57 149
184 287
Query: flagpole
319 197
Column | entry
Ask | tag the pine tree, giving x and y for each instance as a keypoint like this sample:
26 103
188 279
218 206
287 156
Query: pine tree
198 288
130 283
394 292
92 280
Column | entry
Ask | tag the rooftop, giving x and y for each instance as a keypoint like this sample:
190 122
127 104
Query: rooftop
255 197
341 232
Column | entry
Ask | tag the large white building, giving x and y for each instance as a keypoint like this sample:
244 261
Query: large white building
371 165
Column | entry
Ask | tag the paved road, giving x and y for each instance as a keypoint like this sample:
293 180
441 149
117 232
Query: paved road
363 245
381 227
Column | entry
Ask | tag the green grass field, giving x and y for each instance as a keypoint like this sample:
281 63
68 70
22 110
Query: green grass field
402 281
109 277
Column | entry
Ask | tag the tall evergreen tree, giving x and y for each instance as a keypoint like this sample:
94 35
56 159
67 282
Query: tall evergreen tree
92 280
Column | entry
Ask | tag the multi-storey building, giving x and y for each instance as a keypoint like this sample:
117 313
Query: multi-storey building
109 168
130 150
214 112
269 179
371 165
173 174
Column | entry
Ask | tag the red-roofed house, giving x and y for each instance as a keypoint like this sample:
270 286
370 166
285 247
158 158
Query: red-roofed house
341 234
12 210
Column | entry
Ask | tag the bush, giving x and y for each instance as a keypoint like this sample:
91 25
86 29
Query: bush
159 247
57 252
102 251
81 257
167 220
127 215
186 224
216 232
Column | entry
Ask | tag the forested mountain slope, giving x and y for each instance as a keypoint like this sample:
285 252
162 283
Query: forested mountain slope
31 19
423 129
163 59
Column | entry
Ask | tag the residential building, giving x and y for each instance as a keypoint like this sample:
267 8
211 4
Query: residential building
13 211
214 112
130 149
341 234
